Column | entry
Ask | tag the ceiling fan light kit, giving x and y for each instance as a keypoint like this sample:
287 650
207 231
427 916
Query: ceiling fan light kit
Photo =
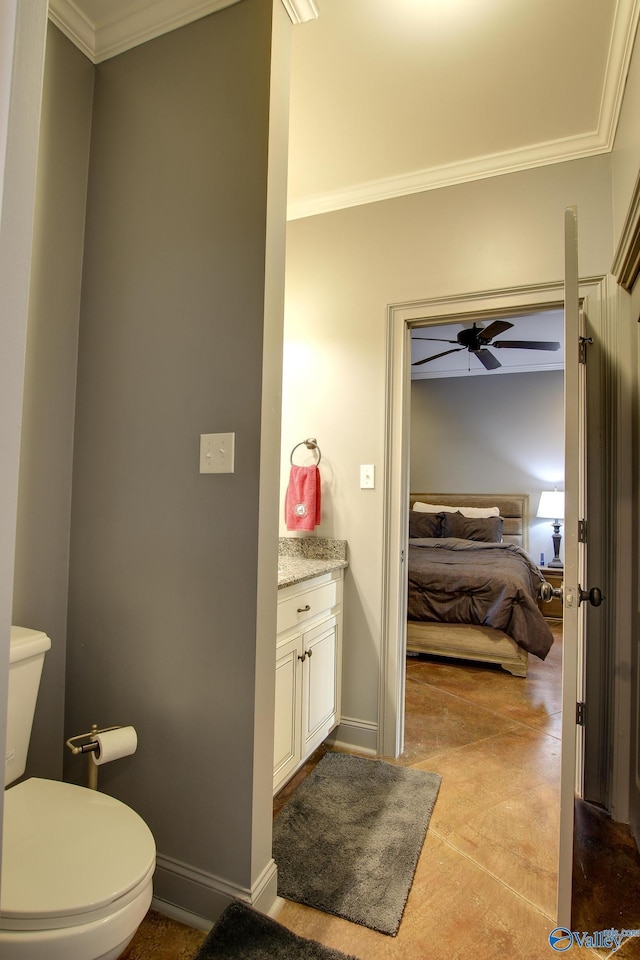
476 339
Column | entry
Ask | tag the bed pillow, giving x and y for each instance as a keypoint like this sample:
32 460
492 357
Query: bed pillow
487 529
479 511
465 511
432 508
425 524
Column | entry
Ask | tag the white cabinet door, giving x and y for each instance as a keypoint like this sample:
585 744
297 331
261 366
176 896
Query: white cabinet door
286 746
308 671
320 691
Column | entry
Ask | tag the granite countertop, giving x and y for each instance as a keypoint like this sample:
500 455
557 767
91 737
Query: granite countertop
301 558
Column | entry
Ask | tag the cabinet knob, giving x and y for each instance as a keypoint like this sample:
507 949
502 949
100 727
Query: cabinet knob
304 609
302 657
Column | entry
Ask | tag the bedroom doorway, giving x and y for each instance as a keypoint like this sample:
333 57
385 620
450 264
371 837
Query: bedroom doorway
492 736
401 318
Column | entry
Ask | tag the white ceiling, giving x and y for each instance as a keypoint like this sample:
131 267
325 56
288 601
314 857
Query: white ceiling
390 97
393 96
536 326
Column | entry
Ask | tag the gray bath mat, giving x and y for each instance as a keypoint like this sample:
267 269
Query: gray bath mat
348 840
243 934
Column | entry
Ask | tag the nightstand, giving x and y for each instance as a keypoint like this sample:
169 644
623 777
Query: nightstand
553 610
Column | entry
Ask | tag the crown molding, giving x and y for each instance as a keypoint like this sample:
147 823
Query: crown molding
625 26
102 41
480 168
300 11
75 26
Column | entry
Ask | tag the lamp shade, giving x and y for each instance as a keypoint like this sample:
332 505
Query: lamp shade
551 505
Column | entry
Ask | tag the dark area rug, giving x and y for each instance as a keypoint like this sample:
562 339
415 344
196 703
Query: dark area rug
348 840
244 934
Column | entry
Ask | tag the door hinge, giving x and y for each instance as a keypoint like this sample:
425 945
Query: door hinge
581 709
402 556
583 341
582 531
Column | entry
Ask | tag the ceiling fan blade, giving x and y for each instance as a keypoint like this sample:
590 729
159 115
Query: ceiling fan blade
487 359
494 330
437 355
528 344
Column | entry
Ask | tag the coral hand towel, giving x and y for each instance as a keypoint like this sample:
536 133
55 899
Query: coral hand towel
302 502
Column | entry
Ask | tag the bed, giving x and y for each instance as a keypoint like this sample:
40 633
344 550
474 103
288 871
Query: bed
487 591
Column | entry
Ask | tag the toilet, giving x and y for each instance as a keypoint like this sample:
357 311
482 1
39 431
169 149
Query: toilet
77 864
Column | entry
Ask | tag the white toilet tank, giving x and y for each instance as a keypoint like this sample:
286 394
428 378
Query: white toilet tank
27 651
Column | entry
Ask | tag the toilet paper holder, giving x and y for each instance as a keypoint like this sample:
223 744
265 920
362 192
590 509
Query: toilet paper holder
89 746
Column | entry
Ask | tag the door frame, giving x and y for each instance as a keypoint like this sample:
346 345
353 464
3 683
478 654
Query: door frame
396 479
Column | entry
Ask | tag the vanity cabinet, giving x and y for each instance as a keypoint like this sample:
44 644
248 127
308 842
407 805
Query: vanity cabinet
308 670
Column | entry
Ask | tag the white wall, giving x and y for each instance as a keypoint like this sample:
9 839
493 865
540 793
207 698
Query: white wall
343 270
500 434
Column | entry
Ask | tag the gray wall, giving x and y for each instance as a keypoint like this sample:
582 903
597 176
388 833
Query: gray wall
163 576
499 434
44 502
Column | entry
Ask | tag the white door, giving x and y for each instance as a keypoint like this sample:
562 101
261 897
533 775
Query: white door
571 775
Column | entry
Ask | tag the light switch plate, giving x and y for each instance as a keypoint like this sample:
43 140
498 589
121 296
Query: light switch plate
367 476
217 452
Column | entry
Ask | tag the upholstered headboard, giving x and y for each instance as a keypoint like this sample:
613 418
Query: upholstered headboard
514 507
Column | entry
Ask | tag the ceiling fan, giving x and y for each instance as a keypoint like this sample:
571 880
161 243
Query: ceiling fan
476 339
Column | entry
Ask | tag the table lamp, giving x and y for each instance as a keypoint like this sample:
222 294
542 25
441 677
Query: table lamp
551 507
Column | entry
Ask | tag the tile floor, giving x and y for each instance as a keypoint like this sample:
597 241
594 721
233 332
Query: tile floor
485 883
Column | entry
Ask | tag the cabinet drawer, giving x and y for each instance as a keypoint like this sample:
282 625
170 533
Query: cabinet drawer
305 605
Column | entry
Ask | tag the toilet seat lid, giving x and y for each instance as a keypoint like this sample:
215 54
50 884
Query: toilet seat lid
68 850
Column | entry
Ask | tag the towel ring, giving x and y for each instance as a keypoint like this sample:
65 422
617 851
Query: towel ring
311 444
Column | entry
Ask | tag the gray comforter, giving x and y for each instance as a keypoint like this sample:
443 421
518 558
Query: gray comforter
467 581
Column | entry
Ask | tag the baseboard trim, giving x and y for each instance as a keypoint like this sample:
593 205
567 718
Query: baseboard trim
184 891
182 916
358 735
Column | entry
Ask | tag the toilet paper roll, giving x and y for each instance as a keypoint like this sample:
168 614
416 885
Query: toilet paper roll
114 744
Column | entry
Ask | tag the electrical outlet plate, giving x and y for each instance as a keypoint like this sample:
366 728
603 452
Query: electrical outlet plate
217 452
367 476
